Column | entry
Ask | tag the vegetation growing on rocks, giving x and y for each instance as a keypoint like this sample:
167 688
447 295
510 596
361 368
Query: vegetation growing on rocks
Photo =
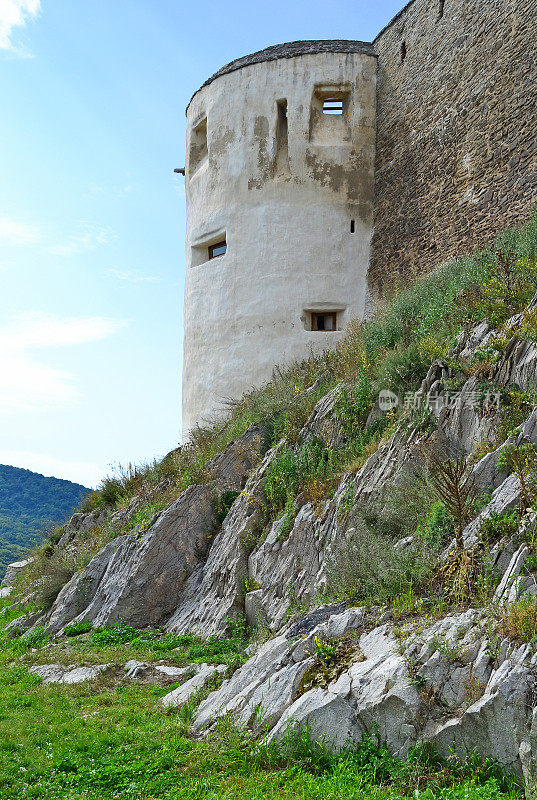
408 551
391 351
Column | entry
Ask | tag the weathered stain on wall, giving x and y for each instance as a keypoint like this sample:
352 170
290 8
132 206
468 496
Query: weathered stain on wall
456 130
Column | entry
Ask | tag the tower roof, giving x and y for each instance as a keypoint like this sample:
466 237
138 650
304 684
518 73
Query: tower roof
290 50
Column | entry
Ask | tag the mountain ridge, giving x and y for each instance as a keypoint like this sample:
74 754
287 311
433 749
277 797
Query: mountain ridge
30 503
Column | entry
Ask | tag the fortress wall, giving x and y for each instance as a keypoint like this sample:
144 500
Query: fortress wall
456 130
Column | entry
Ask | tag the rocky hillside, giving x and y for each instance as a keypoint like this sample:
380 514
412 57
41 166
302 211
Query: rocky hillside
29 505
370 513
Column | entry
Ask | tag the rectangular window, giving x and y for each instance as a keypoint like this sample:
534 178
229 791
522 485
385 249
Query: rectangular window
325 321
333 105
216 250
330 114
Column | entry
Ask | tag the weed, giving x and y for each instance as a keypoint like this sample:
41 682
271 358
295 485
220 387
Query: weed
520 620
325 651
249 585
36 637
438 526
515 407
497 526
78 628
407 603
522 460
224 504
468 576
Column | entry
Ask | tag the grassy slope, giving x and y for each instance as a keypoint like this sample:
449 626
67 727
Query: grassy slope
392 351
107 742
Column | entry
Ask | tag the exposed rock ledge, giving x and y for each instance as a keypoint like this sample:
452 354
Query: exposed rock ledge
442 681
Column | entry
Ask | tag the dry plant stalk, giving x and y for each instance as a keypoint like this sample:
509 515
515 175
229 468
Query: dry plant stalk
455 485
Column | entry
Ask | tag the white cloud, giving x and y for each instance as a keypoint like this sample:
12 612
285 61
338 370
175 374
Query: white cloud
45 330
85 472
90 237
15 233
26 383
15 14
133 277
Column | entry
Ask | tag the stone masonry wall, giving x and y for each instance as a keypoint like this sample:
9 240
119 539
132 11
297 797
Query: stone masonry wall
456 130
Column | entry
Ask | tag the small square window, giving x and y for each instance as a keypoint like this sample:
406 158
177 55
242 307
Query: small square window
218 249
325 321
333 105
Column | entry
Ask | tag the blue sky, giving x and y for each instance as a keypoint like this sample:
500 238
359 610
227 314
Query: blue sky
92 217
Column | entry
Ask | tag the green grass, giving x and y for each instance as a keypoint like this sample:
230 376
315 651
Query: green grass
120 643
101 741
98 742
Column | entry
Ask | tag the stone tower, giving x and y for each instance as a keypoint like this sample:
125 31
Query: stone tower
280 187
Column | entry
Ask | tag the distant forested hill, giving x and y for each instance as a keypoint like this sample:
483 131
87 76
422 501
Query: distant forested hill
29 505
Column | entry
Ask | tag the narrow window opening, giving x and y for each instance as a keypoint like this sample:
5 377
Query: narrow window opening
333 105
217 249
282 138
403 51
198 145
441 9
352 226
325 321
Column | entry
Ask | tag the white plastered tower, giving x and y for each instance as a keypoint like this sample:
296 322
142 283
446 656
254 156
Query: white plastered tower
280 191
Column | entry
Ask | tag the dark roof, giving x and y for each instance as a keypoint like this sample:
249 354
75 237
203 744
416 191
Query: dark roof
290 50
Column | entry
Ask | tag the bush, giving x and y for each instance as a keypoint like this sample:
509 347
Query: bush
437 526
522 460
293 469
496 526
402 369
110 491
399 510
56 573
365 566
224 504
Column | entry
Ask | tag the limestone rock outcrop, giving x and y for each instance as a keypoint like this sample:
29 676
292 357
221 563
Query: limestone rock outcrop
441 677
139 578
443 681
